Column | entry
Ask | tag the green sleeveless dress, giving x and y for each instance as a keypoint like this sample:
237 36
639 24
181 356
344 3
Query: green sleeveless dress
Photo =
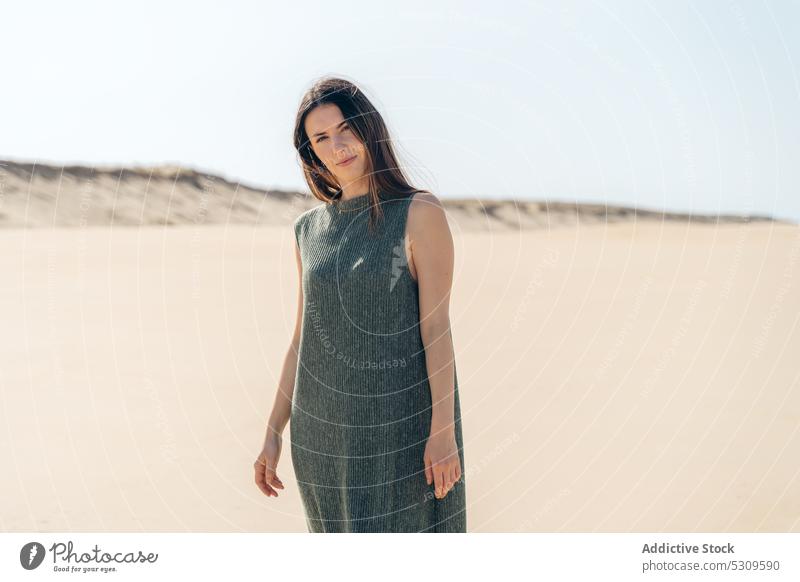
361 410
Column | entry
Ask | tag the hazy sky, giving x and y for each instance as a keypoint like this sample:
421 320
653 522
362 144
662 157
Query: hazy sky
673 104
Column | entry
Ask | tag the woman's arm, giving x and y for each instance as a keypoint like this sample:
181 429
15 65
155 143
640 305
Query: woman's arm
266 463
433 258
282 407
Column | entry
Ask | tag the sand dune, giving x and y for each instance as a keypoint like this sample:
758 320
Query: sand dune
36 195
631 376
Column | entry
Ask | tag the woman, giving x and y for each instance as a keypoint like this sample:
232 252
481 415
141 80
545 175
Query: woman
369 381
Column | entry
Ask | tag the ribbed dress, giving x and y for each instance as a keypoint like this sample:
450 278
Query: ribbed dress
361 409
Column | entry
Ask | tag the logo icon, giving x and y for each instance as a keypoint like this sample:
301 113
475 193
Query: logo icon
31 555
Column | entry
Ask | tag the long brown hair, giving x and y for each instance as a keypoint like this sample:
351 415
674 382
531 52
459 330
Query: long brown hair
384 173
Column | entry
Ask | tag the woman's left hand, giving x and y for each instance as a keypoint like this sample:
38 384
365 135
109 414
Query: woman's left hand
442 465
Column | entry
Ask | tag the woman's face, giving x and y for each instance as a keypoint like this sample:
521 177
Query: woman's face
334 142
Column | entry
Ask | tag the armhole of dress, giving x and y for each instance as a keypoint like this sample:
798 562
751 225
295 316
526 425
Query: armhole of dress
406 212
297 231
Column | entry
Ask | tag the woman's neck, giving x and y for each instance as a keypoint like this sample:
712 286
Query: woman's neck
355 189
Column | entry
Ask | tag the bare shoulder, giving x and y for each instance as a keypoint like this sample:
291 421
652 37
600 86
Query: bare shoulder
426 214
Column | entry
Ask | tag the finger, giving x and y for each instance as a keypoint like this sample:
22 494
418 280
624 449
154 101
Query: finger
261 481
458 471
452 477
276 482
270 477
428 471
262 484
447 479
438 477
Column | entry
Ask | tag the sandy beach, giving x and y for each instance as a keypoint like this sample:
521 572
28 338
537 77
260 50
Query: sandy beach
630 375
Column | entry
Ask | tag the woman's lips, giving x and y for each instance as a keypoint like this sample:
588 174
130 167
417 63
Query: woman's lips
346 162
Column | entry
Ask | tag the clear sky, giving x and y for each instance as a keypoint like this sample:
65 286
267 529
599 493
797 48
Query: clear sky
668 105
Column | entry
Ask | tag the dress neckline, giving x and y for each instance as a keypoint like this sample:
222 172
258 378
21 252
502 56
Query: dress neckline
362 200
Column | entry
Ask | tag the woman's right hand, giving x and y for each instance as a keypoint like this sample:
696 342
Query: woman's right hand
267 462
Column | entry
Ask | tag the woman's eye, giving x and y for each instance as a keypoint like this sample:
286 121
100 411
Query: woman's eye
345 128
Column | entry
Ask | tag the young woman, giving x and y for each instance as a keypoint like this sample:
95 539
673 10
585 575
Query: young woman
369 381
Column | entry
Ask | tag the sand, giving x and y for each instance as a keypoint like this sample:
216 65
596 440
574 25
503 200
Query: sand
634 376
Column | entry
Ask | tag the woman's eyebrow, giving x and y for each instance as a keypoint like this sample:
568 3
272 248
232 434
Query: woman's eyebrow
323 133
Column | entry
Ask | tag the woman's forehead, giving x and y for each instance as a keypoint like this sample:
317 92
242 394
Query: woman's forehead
323 117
